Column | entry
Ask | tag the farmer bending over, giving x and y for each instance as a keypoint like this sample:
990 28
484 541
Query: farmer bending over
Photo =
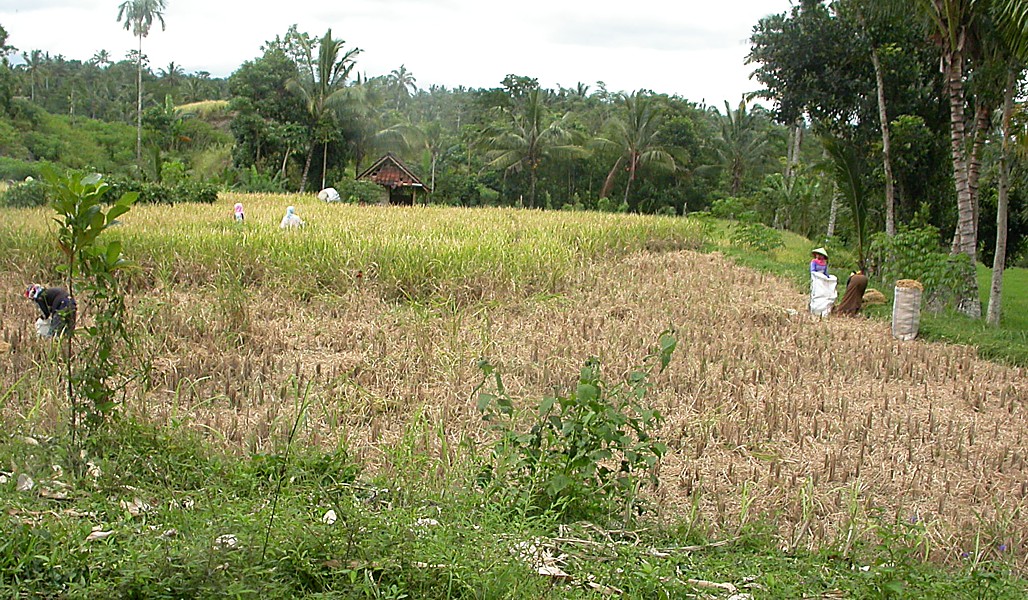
57 307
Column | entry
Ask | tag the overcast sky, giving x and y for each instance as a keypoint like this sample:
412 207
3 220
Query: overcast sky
692 48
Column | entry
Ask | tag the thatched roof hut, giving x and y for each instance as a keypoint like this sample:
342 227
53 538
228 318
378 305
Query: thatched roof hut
390 173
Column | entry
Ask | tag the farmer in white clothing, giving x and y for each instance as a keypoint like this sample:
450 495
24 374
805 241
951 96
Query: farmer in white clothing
291 219
822 285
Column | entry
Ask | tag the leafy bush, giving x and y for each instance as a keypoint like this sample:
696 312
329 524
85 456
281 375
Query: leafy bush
186 191
17 170
359 192
453 188
255 181
24 195
756 235
611 206
727 208
915 253
580 454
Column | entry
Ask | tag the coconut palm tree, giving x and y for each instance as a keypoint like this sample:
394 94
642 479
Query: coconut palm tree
527 137
34 63
634 132
1013 17
101 59
956 24
402 83
740 145
321 86
139 17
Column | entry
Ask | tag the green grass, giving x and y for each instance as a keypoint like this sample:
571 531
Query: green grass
1007 344
170 507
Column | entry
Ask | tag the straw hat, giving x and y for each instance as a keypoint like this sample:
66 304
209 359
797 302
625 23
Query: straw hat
820 251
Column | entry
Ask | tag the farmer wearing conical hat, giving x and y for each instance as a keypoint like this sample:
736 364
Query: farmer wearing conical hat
822 285
819 261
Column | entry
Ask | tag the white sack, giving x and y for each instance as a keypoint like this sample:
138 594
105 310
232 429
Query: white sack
906 313
328 195
43 328
823 293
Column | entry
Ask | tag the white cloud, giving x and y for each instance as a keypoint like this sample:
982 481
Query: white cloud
693 49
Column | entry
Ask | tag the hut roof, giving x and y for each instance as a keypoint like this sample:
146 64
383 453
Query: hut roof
389 171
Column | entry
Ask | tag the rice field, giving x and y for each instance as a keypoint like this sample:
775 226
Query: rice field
377 316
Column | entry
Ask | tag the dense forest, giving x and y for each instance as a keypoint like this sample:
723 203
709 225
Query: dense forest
848 134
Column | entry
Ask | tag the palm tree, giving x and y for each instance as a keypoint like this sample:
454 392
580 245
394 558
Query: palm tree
740 144
634 132
402 83
139 16
321 85
1014 38
956 27
361 121
526 139
955 23
172 74
844 165
34 63
102 59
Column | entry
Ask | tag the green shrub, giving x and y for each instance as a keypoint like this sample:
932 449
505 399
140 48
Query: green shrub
186 191
727 208
756 235
915 253
24 195
611 206
14 169
578 455
359 192
255 181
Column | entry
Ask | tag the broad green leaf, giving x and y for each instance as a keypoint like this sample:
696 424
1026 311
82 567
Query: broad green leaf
116 211
484 400
557 483
587 392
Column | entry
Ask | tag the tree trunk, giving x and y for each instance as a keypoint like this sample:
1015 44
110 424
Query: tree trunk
531 192
1002 203
608 183
979 133
324 164
432 180
285 160
139 102
967 230
982 124
832 214
890 193
306 168
632 165
793 151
